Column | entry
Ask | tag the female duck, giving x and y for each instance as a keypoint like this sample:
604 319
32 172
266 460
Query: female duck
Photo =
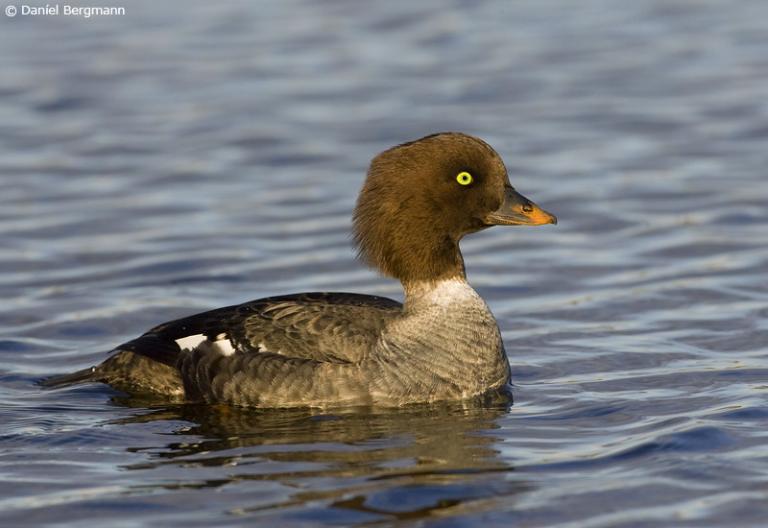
331 349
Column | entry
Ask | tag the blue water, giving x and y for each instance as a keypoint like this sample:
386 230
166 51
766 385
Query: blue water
190 155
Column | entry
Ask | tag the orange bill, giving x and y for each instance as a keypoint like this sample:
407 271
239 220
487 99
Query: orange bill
519 210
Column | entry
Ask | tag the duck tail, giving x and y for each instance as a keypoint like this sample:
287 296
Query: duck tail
121 363
65 380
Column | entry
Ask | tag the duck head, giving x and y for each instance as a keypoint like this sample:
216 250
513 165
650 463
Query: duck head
420 198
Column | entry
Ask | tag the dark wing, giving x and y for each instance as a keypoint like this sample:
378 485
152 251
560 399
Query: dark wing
327 327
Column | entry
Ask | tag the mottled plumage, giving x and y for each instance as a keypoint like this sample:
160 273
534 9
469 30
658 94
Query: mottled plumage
330 349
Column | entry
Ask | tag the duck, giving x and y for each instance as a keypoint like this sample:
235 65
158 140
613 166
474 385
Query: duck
332 349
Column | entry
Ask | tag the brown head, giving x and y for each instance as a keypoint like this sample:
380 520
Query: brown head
421 197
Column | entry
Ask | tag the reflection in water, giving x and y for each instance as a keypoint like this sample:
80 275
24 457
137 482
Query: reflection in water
402 464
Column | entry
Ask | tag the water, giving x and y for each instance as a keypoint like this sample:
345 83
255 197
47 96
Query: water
192 155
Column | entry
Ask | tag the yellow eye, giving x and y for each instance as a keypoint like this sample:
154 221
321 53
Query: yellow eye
464 178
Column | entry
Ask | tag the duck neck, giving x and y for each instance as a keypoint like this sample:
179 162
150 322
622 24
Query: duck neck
421 264
450 315
450 292
447 332
430 257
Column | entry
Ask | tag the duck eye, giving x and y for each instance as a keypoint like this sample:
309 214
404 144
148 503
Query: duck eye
464 178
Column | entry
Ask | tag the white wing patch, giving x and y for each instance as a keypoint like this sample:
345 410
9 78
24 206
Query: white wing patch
190 342
223 346
220 344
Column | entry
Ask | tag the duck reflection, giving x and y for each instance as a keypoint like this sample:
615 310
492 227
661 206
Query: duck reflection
403 464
